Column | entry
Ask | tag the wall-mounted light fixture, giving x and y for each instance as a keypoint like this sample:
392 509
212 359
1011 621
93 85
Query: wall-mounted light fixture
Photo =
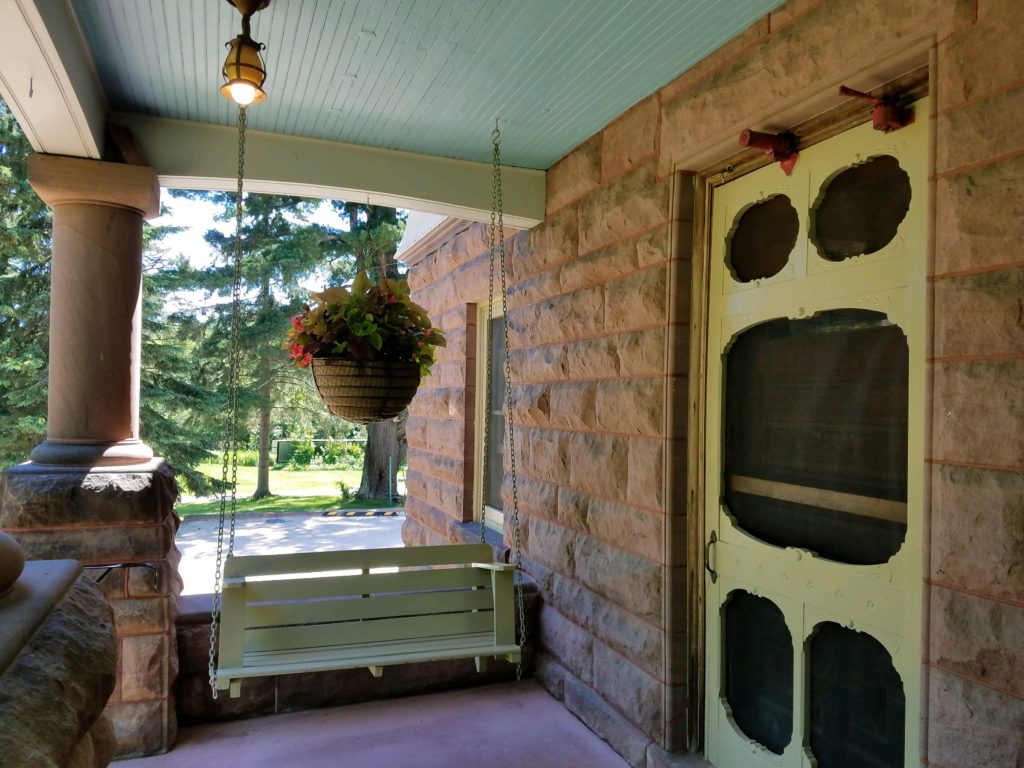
244 71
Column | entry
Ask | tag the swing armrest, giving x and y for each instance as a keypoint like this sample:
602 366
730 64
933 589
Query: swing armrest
500 567
235 581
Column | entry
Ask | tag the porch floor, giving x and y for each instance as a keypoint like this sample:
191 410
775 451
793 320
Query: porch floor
501 726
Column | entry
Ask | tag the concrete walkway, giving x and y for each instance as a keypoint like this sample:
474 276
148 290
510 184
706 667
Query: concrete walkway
499 726
277 534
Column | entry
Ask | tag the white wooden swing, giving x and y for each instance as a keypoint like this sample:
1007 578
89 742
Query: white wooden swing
319 611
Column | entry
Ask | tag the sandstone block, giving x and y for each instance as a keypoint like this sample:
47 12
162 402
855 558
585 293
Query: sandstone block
600 266
629 206
55 688
575 175
638 530
636 639
447 468
980 131
551 675
544 454
629 139
637 301
35 499
628 688
434 491
573 405
545 247
628 580
623 736
971 725
157 579
642 353
531 404
443 436
573 509
552 545
655 246
978 638
979 314
634 406
979 217
539 364
532 290
143 675
538 498
982 59
100 545
141 615
570 644
977 530
598 464
592 359
976 412
141 727
646 477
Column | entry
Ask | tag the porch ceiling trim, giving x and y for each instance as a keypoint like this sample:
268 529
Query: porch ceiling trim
48 79
194 155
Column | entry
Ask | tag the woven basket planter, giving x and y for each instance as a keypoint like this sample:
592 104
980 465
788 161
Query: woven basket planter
365 392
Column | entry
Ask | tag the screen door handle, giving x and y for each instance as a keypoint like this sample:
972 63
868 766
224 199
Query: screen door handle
707 556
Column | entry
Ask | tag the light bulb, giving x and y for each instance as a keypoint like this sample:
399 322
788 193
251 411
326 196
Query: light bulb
243 93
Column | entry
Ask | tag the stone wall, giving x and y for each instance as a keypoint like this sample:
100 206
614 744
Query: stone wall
123 520
592 344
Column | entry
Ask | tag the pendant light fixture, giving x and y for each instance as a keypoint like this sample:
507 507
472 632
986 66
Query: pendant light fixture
244 71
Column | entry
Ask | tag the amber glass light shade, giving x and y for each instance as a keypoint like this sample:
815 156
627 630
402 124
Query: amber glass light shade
244 72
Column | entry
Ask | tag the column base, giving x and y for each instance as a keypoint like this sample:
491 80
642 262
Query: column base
67 453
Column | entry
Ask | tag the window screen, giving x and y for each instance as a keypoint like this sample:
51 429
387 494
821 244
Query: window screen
816 434
496 416
759 669
857 701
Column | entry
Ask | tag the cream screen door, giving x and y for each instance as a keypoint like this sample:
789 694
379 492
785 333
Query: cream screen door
814 456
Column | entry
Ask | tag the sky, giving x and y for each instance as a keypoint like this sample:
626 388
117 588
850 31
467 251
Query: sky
197 216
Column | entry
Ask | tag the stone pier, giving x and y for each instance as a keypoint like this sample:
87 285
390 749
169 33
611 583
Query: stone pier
93 491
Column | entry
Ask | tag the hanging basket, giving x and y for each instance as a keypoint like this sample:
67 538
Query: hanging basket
365 392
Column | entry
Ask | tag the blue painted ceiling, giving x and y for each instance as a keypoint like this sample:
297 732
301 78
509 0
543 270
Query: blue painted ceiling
425 76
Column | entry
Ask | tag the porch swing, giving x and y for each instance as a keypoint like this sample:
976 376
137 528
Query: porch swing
320 611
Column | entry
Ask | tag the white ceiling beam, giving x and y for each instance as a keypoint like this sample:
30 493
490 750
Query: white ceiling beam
191 155
48 79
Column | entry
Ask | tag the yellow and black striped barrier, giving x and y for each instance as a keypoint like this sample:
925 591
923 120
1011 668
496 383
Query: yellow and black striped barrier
363 512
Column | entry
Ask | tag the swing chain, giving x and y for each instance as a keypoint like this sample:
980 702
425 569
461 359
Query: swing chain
229 458
496 241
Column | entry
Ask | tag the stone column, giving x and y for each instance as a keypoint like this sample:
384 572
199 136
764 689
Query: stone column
93 491
95 308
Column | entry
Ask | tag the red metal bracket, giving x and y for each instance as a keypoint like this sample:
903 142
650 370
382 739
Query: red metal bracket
781 147
887 114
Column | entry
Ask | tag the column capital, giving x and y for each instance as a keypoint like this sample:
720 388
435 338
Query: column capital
60 180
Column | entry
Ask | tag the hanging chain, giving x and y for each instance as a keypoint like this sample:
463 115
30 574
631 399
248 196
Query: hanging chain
491 248
496 241
229 459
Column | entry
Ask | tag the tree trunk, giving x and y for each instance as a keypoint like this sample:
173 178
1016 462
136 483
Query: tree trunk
383 439
265 384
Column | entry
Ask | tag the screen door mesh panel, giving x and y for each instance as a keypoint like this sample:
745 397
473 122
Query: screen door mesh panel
860 209
759 669
762 239
857 701
816 434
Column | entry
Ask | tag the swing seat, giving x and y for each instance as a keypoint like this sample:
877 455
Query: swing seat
317 611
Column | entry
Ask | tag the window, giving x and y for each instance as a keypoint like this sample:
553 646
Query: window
490 424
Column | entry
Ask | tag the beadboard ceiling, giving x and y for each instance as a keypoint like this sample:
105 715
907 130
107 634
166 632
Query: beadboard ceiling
424 76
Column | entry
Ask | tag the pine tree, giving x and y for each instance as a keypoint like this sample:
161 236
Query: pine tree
25 238
280 249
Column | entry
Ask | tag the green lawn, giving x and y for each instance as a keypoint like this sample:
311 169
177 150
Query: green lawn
293 491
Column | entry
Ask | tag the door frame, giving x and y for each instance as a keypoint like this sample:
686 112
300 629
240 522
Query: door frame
684 652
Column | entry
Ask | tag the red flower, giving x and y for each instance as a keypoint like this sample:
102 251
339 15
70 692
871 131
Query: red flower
297 322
